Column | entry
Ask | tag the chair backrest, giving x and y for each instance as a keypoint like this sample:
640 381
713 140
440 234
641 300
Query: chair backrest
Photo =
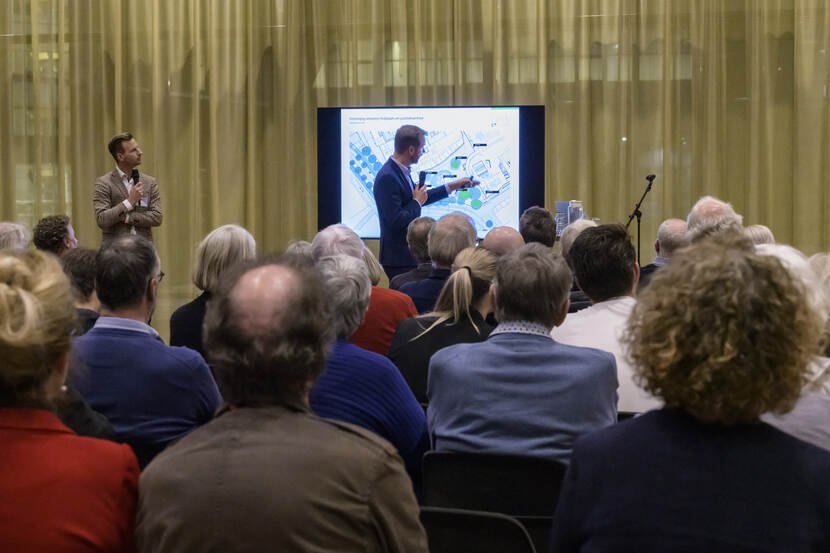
515 485
457 530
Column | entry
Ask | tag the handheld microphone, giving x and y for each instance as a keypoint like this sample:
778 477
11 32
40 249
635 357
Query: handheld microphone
135 178
422 178
650 178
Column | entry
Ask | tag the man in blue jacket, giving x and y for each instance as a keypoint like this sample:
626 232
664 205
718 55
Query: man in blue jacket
399 198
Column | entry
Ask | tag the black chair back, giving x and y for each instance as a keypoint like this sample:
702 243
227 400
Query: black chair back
460 531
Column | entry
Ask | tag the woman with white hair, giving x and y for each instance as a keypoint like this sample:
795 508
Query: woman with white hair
220 250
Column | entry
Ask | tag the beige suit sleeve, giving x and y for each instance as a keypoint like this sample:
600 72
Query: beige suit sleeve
106 214
395 511
151 217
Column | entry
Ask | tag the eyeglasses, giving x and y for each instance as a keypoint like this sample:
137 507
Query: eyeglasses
160 276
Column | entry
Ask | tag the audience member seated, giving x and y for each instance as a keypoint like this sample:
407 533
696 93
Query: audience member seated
300 250
450 234
722 335
820 263
220 250
808 419
578 298
13 236
502 240
359 386
54 234
605 265
759 234
711 216
520 392
537 225
671 238
459 317
266 475
60 492
386 307
417 234
150 392
79 266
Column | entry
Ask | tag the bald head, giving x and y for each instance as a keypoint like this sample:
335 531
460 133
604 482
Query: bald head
262 297
671 236
502 240
711 216
267 331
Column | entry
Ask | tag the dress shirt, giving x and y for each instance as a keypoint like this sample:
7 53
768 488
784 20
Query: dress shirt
521 327
128 183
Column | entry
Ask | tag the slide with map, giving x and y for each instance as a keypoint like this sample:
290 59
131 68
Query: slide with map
478 142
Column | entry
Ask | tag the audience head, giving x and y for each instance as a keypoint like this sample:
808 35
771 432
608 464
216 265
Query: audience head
36 320
537 225
570 233
502 240
13 236
820 263
127 274
759 234
724 333
671 237
267 331
472 273
450 234
417 235
532 284
54 234
373 265
348 289
711 216
604 262
79 266
221 249
337 239
300 250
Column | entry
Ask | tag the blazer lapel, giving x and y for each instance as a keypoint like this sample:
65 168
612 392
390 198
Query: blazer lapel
403 180
118 184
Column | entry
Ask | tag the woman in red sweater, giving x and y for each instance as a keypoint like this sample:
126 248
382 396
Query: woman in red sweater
60 492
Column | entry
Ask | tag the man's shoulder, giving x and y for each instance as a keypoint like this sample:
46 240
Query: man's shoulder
109 177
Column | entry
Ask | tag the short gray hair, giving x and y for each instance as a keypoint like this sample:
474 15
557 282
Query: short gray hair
711 216
532 284
13 236
346 281
335 240
671 234
221 249
570 233
759 234
451 234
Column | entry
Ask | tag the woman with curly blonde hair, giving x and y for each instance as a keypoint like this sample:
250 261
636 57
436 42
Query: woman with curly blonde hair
61 492
722 335
458 317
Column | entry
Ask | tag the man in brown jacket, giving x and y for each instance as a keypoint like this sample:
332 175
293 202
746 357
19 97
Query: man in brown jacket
266 474
122 203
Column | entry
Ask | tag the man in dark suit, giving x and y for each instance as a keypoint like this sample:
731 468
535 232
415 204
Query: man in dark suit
399 199
123 206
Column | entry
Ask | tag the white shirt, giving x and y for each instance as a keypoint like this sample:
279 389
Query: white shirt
601 326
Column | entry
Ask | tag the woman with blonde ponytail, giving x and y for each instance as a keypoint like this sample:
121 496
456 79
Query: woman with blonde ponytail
61 492
459 317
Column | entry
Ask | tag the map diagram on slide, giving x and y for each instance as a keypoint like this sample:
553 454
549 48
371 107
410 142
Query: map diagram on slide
486 153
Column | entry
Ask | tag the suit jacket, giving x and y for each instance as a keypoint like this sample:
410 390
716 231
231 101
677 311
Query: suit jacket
418 273
424 293
278 479
396 209
186 324
666 482
62 492
521 394
412 356
107 200
150 392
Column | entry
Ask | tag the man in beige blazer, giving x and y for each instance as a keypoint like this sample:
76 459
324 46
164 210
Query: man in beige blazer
121 205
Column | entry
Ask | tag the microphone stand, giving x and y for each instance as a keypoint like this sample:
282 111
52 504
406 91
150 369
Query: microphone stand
638 214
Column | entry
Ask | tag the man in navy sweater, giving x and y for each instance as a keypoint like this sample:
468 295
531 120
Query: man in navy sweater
399 199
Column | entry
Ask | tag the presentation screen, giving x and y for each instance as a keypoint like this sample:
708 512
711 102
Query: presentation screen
500 146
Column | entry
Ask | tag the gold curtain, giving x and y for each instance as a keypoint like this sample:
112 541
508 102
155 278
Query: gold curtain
721 97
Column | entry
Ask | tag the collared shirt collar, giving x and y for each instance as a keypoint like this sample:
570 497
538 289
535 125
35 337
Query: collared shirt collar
121 173
660 260
521 327
406 170
119 323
